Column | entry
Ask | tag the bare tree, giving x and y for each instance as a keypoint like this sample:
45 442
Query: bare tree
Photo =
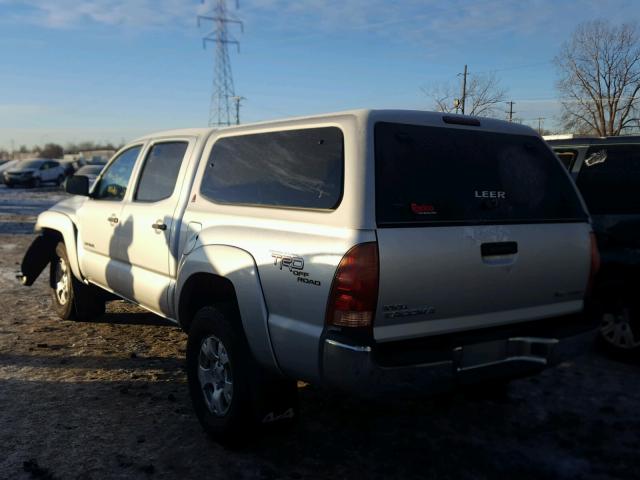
599 69
484 94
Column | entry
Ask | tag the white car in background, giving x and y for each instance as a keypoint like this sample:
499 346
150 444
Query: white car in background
33 173
7 165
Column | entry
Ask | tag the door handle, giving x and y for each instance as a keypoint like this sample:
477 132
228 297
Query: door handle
498 248
159 226
113 219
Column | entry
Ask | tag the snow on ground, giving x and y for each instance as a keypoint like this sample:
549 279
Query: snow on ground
107 399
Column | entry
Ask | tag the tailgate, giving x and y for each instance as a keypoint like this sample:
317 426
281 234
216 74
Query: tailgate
437 280
475 228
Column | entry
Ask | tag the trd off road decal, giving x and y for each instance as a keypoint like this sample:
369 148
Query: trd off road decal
286 260
295 265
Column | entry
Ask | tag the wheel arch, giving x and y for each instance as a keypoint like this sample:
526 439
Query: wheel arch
57 223
227 276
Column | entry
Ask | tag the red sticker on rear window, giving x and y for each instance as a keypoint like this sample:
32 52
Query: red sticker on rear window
423 209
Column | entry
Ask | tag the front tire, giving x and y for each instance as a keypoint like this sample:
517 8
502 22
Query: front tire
231 394
72 299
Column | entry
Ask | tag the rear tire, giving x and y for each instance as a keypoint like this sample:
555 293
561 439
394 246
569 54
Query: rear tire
72 299
231 394
620 327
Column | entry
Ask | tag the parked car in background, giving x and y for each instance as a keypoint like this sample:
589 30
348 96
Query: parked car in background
33 173
97 161
6 166
91 172
607 172
69 167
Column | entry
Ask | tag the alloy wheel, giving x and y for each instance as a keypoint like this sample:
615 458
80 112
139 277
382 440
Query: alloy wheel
620 330
214 374
63 284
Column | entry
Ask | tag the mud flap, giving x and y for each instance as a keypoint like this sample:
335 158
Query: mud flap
37 257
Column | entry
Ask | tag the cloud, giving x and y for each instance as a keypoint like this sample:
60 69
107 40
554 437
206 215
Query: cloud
413 20
77 13
454 21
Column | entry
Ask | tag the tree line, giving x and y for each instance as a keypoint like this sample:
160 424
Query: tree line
54 150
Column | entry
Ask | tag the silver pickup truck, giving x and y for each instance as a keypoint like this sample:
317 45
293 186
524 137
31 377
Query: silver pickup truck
373 251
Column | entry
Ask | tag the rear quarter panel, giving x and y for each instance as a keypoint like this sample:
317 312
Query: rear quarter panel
296 251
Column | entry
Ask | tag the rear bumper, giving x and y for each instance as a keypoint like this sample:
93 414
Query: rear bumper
362 370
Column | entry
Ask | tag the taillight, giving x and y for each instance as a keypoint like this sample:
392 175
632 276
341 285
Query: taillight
354 292
595 263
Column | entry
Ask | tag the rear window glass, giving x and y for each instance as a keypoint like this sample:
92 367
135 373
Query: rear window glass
296 168
610 183
432 175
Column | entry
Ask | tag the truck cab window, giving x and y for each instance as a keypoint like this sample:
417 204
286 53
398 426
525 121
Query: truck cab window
113 183
160 171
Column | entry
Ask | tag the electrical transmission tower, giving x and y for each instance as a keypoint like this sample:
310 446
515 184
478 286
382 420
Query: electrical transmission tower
221 111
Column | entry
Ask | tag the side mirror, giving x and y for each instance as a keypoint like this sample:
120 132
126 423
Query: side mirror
77 185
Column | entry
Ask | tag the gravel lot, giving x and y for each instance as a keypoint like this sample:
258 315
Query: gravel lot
108 399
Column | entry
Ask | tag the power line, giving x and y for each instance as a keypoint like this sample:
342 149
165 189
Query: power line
223 91
516 67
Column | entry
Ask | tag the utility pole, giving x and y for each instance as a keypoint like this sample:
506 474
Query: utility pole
540 122
223 90
464 89
237 101
511 112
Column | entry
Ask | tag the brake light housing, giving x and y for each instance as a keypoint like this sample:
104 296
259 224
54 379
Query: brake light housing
354 290
595 264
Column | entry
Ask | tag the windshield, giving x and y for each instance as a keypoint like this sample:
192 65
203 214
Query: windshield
31 164
435 175
89 170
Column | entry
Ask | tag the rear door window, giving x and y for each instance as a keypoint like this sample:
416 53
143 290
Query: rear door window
295 168
433 175
611 182
160 171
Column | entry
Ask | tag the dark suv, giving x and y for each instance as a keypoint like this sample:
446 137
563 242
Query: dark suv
607 173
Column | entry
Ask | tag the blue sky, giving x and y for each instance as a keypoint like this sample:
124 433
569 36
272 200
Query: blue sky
108 70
